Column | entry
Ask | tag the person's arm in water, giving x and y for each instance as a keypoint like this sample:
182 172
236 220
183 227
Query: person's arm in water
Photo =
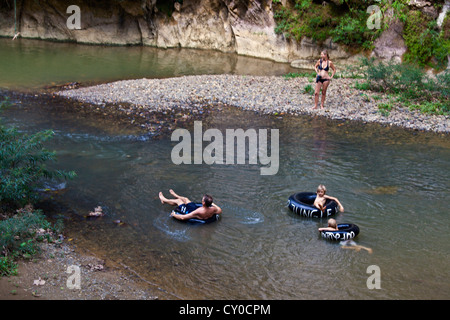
192 215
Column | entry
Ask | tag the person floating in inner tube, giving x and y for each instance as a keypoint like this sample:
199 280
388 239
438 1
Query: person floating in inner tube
206 211
321 198
323 78
332 226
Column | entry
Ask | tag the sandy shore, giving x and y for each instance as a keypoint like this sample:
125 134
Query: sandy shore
267 95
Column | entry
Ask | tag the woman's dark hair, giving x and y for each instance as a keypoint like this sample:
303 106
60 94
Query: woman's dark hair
208 200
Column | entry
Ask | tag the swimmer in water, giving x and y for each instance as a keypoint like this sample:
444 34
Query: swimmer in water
321 198
206 211
332 226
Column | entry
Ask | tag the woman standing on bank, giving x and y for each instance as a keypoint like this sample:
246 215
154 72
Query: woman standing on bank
323 78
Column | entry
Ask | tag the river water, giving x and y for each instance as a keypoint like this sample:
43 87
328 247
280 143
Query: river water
393 183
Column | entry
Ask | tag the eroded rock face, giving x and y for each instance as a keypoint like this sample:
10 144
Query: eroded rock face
193 24
241 26
390 45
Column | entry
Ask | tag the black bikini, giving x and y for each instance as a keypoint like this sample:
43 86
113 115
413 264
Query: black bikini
319 78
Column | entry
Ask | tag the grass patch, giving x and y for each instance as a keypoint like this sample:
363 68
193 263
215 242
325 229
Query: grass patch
292 75
308 89
21 235
385 108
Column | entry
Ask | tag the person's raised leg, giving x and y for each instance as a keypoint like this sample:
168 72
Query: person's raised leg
173 202
184 199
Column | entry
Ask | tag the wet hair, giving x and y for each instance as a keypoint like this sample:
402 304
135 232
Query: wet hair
332 223
322 187
208 200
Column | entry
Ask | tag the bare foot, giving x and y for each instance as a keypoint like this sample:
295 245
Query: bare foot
173 193
161 197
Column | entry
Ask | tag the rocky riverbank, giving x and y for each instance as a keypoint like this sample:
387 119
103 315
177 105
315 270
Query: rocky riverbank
267 95
49 276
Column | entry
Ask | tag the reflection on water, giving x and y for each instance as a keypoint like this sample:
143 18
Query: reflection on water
393 184
26 64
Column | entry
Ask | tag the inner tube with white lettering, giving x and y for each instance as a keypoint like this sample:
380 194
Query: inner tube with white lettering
302 204
191 206
346 231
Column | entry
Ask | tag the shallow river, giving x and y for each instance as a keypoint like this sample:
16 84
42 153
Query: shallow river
394 184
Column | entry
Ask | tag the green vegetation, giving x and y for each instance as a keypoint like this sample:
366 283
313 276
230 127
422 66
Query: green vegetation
426 45
20 236
308 89
299 75
409 84
23 165
406 83
385 108
23 170
346 23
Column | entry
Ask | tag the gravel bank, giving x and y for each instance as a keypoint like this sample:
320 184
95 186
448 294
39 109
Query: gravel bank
268 95
45 277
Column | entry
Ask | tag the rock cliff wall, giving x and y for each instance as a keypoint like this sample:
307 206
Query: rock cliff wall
241 26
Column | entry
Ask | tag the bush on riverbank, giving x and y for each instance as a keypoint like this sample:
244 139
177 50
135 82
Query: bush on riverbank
23 166
21 235
345 24
409 84
23 170
427 46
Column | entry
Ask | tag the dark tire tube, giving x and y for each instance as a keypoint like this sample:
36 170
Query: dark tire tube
302 204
